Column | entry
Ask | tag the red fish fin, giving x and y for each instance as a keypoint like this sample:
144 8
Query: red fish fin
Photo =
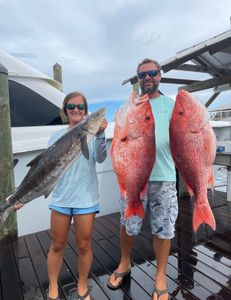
203 215
122 189
211 179
144 190
188 188
111 149
134 211
125 130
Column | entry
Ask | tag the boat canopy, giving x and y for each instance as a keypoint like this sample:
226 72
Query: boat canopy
211 58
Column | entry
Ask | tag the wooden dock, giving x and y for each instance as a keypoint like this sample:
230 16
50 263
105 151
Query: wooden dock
199 266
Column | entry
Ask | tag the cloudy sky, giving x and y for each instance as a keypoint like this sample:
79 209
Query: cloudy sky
99 43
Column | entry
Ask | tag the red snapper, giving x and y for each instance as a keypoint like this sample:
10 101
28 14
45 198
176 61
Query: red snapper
193 148
133 151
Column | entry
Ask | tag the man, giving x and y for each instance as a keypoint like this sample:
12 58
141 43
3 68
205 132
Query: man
161 192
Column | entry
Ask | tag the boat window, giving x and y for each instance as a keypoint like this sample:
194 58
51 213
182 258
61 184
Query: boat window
28 108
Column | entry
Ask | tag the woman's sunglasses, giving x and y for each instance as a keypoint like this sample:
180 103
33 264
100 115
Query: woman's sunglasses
151 73
72 106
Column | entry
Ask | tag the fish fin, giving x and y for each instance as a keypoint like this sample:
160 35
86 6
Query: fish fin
144 190
134 211
34 160
125 130
188 188
112 146
122 189
48 191
203 215
84 147
211 179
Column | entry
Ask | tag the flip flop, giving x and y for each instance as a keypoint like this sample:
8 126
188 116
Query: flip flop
84 296
122 275
159 292
49 298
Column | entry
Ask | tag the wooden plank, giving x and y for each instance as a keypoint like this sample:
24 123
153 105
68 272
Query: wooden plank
66 279
38 259
30 285
200 291
194 270
141 252
202 69
218 256
10 281
141 283
207 84
93 282
109 257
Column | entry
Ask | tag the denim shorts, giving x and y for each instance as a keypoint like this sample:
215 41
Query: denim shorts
70 211
161 201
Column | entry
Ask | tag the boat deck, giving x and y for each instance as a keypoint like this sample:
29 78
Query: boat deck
199 266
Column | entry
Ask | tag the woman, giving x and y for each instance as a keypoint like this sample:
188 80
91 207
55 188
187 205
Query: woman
75 196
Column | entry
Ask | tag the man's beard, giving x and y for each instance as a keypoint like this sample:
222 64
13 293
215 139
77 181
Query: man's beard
148 90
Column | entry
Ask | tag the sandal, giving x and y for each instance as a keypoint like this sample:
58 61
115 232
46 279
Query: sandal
49 298
159 292
84 296
122 275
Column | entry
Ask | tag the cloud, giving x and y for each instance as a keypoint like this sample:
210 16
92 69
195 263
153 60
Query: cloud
99 44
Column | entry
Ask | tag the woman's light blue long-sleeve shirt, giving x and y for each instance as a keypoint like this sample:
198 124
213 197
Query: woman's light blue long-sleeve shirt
78 186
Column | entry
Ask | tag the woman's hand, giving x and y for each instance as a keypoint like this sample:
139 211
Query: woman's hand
17 205
102 127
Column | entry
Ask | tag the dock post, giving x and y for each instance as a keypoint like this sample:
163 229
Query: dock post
9 229
228 183
57 74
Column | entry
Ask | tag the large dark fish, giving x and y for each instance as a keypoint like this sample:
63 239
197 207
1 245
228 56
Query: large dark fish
47 167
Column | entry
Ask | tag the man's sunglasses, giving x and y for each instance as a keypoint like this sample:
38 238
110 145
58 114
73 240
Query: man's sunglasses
151 73
72 106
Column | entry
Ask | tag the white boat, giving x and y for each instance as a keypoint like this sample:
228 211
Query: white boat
35 100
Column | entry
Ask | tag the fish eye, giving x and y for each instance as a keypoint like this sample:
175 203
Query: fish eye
180 113
147 117
124 139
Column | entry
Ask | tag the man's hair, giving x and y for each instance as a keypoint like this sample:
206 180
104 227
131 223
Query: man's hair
147 61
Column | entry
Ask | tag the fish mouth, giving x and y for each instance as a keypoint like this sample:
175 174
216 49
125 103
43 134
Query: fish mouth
94 121
100 112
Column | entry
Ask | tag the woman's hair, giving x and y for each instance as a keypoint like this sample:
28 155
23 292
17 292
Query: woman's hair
63 110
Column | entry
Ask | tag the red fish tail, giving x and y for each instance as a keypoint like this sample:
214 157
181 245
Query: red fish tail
203 215
134 211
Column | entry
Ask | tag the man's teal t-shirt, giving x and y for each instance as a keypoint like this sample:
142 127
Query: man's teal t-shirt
164 168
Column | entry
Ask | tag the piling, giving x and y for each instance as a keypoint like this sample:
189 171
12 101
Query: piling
57 74
9 229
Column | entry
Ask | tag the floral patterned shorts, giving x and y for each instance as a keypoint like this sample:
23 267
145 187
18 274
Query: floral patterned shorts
161 201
